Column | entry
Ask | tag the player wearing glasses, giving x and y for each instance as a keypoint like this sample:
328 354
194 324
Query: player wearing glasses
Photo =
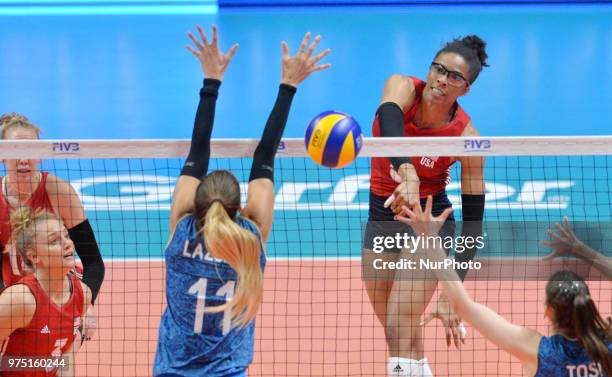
411 107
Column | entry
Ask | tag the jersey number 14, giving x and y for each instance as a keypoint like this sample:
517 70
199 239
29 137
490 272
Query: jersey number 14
199 290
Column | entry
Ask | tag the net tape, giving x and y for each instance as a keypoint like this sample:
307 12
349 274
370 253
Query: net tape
293 147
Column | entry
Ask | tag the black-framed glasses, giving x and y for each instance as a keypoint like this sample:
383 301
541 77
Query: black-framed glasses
454 78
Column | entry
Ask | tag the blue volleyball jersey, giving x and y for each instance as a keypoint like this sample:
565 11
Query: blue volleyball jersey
193 343
562 357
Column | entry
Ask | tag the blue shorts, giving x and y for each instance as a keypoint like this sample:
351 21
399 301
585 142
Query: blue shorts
381 222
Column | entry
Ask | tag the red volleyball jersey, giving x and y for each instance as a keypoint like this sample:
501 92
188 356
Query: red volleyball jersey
51 331
433 172
12 266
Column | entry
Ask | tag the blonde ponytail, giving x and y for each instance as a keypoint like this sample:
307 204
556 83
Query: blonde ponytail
240 248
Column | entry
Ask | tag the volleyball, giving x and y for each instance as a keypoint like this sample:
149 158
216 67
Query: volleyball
333 139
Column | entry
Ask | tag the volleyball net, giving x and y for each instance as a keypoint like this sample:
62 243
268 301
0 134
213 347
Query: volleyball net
316 319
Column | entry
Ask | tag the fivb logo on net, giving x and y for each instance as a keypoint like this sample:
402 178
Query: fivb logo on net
477 145
62 147
154 192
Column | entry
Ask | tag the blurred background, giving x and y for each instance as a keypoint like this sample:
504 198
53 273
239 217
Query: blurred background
119 69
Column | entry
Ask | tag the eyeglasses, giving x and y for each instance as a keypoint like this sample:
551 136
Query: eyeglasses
454 78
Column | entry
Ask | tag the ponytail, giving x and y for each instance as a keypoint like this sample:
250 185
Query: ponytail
592 330
240 248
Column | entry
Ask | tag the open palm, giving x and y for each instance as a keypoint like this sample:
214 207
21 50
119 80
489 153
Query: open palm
213 61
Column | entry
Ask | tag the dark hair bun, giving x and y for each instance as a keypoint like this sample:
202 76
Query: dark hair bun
478 46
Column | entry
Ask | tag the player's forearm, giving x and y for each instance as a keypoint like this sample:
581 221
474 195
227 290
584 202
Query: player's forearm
473 214
602 263
196 164
263 158
449 281
87 249
391 122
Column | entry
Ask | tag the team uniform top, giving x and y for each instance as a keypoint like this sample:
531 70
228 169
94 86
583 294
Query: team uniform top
12 266
562 357
51 331
191 342
434 172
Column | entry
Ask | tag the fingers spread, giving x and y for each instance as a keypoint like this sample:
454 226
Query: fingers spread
389 200
232 51
320 56
449 335
394 175
304 43
455 333
554 235
195 41
561 230
546 243
202 35
428 206
215 38
190 49
313 45
567 224
320 67
446 214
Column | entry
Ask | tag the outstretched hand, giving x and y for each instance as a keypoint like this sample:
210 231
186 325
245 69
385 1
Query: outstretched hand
214 62
405 194
423 222
563 242
453 327
298 67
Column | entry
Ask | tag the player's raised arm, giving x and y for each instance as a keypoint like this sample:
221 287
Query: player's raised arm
214 64
295 69
519 341
398 95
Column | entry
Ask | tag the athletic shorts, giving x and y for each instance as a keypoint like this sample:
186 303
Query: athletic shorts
381 222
